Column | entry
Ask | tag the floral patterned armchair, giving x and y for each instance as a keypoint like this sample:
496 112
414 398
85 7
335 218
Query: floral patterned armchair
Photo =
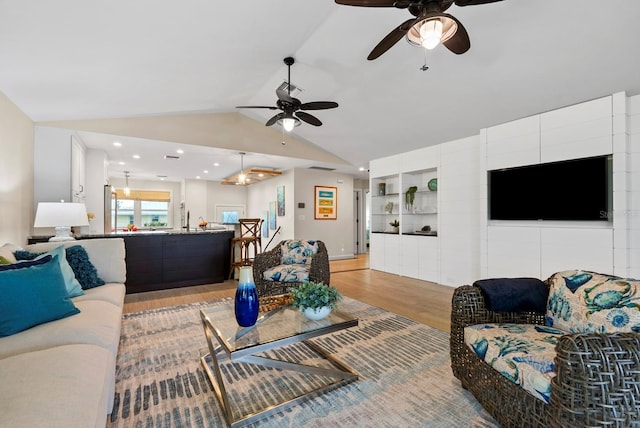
290 263
575 362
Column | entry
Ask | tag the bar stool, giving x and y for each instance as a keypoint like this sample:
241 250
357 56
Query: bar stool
250 239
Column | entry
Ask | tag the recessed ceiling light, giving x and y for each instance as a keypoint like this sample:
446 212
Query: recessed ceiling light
180 151
361 168
261 175
206 171
216 164
198 177
121 163
136 156
117 143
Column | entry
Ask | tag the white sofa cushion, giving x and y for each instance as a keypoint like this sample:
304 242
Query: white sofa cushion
106 254
110 292
33 380
98 323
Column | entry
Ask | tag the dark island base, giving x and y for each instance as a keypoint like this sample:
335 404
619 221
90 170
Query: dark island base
172 260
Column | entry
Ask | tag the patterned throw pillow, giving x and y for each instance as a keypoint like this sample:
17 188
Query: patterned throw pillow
295 252
86 273
583 301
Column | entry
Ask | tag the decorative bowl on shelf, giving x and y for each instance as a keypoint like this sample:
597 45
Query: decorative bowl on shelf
433 184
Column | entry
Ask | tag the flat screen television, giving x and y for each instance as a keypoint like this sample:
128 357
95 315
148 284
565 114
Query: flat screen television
573 190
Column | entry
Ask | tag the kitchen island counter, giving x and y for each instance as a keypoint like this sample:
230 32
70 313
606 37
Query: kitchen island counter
158 260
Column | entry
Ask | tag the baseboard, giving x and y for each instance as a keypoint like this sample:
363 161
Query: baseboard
342 257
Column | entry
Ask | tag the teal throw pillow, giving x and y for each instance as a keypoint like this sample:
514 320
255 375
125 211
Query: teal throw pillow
71 283
86 273
33 295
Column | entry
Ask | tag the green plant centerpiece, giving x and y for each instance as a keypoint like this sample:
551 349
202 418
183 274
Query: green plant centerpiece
395 224
315 299
409 197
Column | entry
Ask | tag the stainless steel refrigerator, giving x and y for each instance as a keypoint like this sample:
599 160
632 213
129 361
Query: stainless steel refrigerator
110 218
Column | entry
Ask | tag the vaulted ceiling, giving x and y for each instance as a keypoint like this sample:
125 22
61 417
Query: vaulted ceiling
147 60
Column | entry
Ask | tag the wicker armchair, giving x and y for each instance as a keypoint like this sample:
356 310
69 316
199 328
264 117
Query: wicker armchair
318 270
597 380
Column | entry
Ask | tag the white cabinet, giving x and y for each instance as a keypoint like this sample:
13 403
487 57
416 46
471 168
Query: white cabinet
78 171
408 250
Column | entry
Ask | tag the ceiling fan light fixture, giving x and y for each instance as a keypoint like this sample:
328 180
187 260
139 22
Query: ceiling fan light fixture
288 123
432 31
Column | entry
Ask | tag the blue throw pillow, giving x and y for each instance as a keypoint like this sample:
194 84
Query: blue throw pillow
25 264
514 294
86 273
33 295
71 283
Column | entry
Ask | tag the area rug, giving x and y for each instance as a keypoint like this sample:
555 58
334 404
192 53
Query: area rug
404 368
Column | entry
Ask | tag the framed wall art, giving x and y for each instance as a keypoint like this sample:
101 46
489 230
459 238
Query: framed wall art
326 203
280 200
272 215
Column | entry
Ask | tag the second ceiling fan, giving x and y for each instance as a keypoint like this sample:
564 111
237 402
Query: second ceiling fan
292 108
429 27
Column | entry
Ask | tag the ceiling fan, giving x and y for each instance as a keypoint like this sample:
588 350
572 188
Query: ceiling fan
430 27
292 108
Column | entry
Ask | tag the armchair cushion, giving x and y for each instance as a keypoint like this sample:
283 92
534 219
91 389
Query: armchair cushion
523 353
583 301
298 252
287 273
514 294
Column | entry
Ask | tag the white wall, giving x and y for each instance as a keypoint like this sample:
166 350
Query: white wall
224 194
52 164
299 223
16 173
259 196
97 177
337 234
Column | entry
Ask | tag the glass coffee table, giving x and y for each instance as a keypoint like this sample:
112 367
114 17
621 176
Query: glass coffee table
274 329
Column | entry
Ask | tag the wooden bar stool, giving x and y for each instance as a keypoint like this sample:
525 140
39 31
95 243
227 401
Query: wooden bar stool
250 239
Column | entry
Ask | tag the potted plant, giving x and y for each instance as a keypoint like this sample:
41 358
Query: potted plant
315 299
409 197
395 224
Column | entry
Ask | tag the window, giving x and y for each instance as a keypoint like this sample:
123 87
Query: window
143 208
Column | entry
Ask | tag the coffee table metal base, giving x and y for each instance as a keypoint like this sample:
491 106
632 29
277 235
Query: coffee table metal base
340 372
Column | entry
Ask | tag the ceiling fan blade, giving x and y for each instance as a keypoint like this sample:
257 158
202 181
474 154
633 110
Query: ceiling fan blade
473 2
274 119
391 38
367 3
318 105
459 43
269 107
312 120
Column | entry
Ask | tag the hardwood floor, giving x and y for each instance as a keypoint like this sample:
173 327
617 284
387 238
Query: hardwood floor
422 301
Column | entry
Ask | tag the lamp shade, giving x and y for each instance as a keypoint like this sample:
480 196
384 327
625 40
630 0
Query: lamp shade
55 214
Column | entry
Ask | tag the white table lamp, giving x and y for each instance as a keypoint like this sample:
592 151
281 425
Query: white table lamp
61 215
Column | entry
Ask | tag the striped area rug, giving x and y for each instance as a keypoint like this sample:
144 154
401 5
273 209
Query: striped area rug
405 376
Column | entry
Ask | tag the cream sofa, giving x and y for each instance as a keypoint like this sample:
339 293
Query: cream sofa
62 373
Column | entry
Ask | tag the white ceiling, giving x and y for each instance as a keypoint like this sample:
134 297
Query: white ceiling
73 59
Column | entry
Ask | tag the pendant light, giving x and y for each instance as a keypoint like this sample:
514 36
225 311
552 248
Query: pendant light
127 190
242 178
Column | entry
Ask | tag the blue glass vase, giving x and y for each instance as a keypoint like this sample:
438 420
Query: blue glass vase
246 305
